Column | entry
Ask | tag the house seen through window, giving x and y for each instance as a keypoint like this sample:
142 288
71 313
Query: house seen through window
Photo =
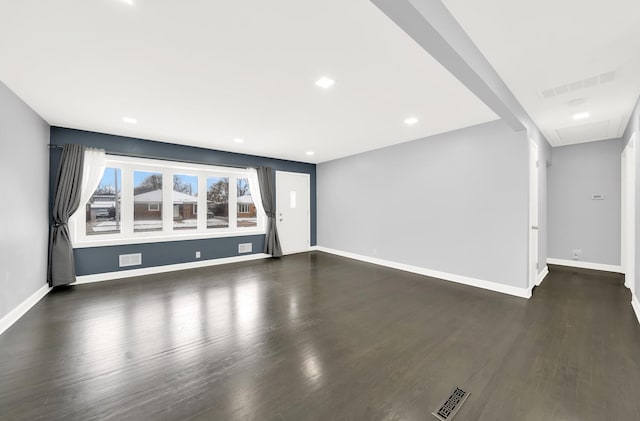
147 201
246 208
185 202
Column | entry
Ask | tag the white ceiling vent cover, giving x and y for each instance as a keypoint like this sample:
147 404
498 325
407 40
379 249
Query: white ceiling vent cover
578 85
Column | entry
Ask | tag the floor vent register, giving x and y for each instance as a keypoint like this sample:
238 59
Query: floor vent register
451 405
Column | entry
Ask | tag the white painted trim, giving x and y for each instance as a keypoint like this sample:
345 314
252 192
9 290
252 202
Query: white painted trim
635 304
108 276
460 279
542 275
585 265
145 239
628 214
14 315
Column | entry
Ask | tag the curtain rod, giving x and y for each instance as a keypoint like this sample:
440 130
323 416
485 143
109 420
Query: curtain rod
186 161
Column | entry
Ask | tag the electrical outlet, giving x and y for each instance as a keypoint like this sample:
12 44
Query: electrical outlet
198 254
576 254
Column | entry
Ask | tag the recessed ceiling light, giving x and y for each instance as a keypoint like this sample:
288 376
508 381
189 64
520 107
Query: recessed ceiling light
238 140
309 153
129 2
411 121
581 116
325 82
130 120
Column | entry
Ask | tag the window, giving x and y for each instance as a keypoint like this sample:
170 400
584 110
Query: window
185 200
218 202
293 200
146 200
246 208
103 209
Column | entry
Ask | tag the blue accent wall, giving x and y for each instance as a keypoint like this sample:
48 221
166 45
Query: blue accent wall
105 259
95 260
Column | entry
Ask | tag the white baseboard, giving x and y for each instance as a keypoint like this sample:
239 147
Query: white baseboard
585 265
108 276
542 275
636 306
15 314
493 286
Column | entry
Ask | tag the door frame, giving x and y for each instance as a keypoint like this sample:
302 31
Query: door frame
308 179
628 211
534 217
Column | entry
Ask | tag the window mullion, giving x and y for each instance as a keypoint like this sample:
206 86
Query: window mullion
167 201
126 201
233 202
202 203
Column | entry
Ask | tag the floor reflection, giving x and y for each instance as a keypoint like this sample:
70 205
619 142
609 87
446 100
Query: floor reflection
311 366
246 308
293 306
185 318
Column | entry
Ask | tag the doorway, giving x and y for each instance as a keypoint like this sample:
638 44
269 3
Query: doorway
293 211
628 233
533 213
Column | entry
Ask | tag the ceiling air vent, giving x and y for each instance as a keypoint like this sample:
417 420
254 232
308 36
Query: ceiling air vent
578 85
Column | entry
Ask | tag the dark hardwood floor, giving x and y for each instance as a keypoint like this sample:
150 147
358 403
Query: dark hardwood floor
319 337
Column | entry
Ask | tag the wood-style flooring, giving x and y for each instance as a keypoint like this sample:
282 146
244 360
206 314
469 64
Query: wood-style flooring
319 337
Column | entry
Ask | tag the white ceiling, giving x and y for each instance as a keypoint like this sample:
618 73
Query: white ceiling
205 72
550 53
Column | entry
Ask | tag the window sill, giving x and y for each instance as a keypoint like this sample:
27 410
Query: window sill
145 239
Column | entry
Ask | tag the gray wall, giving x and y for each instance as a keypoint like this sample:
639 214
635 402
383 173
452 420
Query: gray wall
456 203
632 128
24 171
576 222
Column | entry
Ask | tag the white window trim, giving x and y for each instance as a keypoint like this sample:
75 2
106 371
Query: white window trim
77 222
155 208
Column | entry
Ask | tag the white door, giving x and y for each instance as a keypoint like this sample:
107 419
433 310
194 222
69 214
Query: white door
292 211
533 213
628 214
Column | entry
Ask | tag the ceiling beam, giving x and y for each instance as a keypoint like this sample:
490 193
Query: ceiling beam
434 28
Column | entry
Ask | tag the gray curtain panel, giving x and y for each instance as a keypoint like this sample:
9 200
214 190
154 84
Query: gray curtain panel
66 200
268 193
